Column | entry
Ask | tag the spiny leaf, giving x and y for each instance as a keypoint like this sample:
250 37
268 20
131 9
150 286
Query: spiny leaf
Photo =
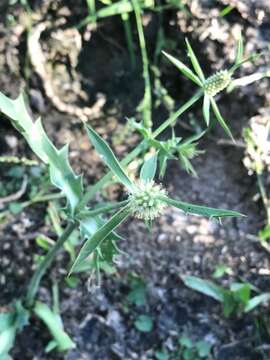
61 173
108 157
100 235
200 210
220 118
149 168
195 61
184 69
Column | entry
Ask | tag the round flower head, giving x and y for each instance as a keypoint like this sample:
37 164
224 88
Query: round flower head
144 200
217 82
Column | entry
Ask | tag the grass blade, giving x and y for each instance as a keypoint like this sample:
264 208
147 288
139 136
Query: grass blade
183 68
108 157
195 62
200 210
220 119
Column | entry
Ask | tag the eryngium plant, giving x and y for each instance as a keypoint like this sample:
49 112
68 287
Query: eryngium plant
145 198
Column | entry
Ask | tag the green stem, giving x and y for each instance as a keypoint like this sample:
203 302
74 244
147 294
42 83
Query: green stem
265 199
44 265
101 210
129 39
147 100
93 189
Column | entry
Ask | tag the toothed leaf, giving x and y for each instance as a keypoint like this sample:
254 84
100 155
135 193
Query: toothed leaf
108 157
61 173
97 238
200 210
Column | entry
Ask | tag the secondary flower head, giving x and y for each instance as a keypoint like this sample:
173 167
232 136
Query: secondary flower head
145 200
217 82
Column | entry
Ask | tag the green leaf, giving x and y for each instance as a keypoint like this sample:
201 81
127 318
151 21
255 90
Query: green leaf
241 292
203 348
61 174
220 118
101 234
144 323
54 324
185 342
205 287
7 338
149 169
184 69
195 62
199 210
206 109
256 300
221 270
108 157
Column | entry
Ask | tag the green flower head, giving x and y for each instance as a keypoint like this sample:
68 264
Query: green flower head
145 200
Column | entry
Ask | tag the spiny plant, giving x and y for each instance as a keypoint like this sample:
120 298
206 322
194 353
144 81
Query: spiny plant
145 199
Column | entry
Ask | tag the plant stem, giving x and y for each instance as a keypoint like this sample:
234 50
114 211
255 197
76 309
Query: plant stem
147 99
40 271
93 189
265 199
129 39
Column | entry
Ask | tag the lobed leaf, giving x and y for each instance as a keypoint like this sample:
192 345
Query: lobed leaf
183 68
101 234
149 169
200 210
61 173
108 157
195 61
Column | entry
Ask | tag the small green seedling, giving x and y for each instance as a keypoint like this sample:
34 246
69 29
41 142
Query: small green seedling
144 323
190 350
237 299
